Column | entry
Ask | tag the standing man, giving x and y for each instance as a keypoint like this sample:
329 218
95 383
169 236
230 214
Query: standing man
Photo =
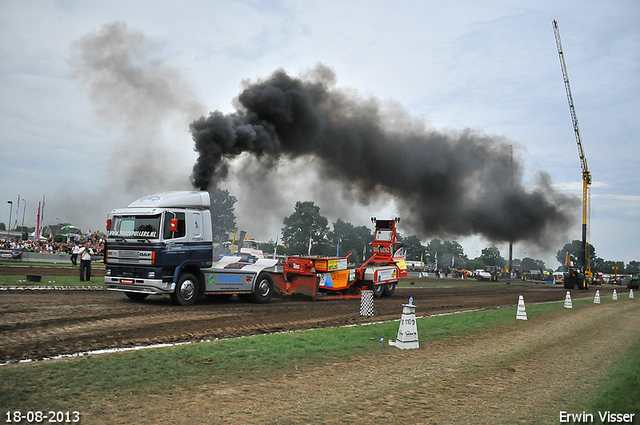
74 254
85 262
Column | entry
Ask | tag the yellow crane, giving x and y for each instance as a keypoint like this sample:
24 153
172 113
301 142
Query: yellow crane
586 175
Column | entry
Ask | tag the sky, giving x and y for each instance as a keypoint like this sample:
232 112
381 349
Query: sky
90 136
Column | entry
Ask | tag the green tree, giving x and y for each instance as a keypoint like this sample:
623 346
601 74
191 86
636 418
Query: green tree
455 249
491 257
574 248
597 264
452 248
223 217
305 223
474 264
633 267
433 247
532 264
352 239
414 247
613 267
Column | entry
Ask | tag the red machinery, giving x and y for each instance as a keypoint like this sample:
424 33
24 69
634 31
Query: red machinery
330 277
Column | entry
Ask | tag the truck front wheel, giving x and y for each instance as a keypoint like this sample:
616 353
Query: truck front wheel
186 292
378 290
263 290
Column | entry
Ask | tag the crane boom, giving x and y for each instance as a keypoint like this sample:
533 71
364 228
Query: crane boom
586 175
567 87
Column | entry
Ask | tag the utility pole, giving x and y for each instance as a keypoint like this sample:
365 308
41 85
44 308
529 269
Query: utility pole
511 241
23 211
10 211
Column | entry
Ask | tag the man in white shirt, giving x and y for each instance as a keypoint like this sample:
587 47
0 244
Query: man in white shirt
74 254
85 262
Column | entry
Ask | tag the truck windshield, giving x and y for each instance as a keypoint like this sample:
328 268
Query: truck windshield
141 226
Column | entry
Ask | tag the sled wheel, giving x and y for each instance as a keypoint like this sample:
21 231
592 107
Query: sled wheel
389 288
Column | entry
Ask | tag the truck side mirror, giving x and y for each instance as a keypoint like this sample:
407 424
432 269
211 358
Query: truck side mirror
108 224
173 227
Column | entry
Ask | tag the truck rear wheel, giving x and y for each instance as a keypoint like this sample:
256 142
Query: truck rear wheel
186 292
378 290
263 290
389 288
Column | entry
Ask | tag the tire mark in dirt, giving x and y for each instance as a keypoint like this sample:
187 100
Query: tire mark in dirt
38 324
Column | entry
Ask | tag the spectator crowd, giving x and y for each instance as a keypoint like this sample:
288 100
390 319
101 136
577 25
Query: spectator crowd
95 239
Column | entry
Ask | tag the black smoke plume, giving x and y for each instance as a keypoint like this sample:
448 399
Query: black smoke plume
444 183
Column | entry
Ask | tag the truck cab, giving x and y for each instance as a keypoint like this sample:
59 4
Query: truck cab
156 240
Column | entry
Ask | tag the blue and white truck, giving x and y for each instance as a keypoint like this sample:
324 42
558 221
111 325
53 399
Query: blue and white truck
162 244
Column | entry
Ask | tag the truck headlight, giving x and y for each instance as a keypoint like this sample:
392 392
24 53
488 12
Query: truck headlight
151 275
107 272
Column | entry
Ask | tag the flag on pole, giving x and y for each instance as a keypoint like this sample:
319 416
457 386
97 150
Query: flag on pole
36 234
42 218
17 213
275 248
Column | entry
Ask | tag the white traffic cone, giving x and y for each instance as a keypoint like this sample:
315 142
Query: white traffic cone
522 313
408 332
596 300
615 295
567 301
631 293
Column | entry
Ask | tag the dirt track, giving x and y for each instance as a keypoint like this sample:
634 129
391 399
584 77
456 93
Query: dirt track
45 323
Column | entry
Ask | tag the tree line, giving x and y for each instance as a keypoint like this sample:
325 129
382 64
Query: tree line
306 230
597 264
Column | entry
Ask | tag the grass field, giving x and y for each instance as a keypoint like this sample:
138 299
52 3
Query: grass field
619 393
63 384
48 280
